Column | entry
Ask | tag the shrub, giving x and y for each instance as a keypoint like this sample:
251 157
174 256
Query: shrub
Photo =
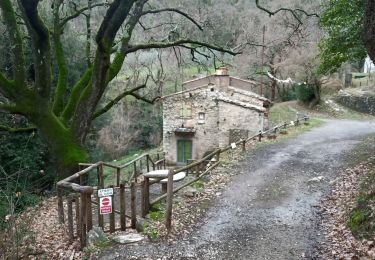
305 93
288 94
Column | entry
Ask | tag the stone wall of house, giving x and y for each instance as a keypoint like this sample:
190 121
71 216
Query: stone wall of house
205 136
235 117
221 119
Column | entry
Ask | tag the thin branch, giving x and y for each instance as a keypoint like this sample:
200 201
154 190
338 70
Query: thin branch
79 12
161 45
116 100
154 27
150 101
156 11
294 12
9 109
17 130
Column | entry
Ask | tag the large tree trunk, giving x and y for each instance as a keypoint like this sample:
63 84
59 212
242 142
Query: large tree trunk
62 143
369 28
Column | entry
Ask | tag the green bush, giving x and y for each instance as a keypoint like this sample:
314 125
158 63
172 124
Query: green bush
288 94
305 93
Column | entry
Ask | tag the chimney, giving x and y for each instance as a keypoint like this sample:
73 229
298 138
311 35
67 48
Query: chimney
222 77
222 71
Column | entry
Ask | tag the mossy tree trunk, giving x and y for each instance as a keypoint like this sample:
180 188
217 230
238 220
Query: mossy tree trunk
369 28
63 114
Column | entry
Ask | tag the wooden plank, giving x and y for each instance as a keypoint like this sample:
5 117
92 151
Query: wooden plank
186 184
122 207
168 211
133 204
118 176
88 212
148 163
60 205
145 202
100 216
83 221
70 220
112 215
101 177
135 171
78 218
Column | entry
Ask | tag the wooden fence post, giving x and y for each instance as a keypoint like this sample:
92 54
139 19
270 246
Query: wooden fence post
112 215
135 171
88 212
243 146
148 162
83 220
78 215
100 176
100 216
168 213
145 197
118 172
60 205
70 220
100 186
133 204
260 136
122 207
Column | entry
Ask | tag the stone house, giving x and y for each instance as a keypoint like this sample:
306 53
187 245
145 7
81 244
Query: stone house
210 112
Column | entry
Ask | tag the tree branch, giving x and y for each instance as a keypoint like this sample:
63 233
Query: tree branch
130 92
79 12
294 12
10 20
9 109
7 87
62 80
130 25
156 11
74 96
17 130
41 44
181 42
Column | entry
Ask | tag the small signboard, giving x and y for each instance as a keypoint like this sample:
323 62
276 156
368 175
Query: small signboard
233 145
105 192
105 205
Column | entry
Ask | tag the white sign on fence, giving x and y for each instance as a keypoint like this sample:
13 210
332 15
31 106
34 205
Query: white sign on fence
233 145
105 205
105 192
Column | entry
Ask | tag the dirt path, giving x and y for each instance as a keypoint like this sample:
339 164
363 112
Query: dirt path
268 210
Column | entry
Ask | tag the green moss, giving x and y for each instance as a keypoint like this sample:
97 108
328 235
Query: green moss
116 66
75 95
62 77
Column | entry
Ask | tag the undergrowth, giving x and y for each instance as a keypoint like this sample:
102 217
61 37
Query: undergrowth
361 219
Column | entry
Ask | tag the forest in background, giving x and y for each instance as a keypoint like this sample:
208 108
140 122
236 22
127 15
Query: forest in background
290 50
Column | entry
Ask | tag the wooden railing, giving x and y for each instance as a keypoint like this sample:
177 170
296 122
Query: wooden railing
81 197
84 198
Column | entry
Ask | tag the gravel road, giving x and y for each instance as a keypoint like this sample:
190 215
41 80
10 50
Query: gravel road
268 210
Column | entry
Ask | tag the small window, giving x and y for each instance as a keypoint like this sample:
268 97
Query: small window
185 110
201 118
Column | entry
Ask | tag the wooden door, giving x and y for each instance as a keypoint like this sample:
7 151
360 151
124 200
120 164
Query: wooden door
184 151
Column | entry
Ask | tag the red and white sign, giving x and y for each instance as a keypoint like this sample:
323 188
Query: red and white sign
105 205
